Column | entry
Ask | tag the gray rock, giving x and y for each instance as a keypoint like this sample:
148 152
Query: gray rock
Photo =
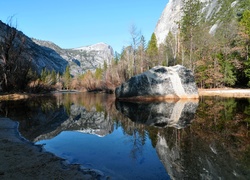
159 83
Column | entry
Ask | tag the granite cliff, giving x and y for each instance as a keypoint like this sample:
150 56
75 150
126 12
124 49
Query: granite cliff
213 11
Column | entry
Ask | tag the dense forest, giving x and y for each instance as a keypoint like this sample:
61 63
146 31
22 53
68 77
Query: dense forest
218 57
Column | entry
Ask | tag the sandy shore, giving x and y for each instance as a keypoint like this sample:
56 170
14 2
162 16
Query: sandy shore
225 92
21 159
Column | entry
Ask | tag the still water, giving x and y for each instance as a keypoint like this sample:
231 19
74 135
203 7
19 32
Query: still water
205 139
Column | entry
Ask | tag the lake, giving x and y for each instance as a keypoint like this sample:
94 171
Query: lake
205 139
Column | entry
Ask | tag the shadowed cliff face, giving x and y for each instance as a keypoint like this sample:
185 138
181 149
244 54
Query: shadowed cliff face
45 54
40 56
161 114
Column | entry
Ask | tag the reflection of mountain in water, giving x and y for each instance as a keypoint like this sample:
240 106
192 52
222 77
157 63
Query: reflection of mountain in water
91 122
161 114
45 118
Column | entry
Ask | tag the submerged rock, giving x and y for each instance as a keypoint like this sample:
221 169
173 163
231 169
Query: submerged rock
160 82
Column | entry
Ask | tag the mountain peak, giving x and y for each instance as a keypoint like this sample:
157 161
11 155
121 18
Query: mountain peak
97 46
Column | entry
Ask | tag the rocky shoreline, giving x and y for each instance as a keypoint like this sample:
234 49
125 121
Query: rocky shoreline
21 159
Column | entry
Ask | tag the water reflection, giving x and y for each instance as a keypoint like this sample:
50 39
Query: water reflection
176 114
215 145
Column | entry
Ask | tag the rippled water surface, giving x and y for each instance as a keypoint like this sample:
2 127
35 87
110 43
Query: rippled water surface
205 139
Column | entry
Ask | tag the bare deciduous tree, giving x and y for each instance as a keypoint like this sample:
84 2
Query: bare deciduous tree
14 67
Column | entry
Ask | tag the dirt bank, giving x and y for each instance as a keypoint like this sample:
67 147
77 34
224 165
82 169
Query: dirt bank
21 159
224 92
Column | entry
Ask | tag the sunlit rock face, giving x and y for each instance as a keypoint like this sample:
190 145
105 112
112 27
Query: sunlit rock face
160 82
167 22
161 114
172 14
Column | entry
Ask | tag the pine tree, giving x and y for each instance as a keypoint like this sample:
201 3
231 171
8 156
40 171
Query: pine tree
152 50
189 23
245 25
171 49
44 74
53 77
142 54
67 77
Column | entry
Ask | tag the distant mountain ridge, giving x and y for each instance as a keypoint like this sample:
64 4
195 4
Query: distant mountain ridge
46 54
83 58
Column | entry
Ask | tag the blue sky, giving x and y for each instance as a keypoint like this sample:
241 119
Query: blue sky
76 23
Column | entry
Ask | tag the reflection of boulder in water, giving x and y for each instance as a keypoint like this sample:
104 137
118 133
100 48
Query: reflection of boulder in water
191 157
162 114
84 121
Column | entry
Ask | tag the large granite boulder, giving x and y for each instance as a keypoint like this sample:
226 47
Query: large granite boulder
158 83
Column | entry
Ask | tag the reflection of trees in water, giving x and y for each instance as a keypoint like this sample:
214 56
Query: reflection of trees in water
225 118
34 115
138 138
23 109
215 145
218 136
229 125
90 101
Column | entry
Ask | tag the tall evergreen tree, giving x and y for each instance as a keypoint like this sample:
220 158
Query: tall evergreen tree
67 77
152 50
245 24
142 54
189 23
171 49
135 37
